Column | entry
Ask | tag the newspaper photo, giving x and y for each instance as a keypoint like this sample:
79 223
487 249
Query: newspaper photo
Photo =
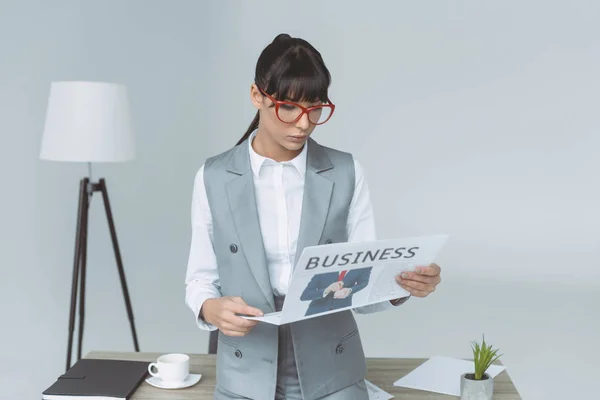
340 276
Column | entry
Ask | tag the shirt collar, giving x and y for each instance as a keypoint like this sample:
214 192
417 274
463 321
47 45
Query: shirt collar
257 161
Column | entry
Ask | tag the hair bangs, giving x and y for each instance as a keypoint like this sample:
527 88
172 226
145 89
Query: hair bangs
298 79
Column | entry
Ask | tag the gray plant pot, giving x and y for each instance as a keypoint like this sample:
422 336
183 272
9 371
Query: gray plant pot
471 389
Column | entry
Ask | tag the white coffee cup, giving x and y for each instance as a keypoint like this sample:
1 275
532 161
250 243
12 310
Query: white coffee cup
171 367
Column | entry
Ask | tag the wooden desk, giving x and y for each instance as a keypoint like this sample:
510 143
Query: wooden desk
382 372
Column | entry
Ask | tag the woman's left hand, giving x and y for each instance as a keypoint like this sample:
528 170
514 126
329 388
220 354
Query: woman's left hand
422 282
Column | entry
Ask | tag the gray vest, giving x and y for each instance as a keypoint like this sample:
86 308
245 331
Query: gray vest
329 353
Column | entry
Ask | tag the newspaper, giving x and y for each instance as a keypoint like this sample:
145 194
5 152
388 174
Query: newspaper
340 276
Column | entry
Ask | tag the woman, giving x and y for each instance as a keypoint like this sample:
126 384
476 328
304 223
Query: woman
255 207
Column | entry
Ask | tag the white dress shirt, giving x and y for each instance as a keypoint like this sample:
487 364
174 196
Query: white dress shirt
279 189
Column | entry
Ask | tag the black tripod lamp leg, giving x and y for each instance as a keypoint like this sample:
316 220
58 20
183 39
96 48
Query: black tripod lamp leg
76 266
83 263
113 235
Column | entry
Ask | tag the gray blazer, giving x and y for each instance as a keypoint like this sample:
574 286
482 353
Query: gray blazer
328 349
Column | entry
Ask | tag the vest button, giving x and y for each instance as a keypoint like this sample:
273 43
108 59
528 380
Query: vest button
328 241
339 349
238 354
233 248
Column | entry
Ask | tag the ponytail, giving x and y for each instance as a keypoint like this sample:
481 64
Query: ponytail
253 126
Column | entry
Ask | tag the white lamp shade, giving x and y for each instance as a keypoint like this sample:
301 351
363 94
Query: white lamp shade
88 122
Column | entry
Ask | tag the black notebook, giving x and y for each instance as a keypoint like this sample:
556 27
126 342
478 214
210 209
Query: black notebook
98 380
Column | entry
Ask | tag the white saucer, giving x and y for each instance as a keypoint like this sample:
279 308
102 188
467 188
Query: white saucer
191 380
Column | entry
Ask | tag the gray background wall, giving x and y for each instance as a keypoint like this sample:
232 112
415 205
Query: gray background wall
475 119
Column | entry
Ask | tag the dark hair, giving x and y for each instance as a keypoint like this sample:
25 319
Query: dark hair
290 68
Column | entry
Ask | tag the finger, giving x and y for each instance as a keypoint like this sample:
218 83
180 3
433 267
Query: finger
412 276
231 317
417 293
232 333
238 324
237 300
251 311
423 287
242 323
430 270
244 309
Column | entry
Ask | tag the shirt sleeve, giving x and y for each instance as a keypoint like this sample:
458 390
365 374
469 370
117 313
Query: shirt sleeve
361 227
202 276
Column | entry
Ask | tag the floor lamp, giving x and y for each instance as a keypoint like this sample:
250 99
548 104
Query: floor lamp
89 122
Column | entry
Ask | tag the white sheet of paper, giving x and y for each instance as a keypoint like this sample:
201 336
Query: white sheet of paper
376 393
441 375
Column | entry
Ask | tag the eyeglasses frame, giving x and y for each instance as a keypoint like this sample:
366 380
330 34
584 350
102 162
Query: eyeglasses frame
305 110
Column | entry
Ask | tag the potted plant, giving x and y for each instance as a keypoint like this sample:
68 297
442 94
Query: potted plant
479 385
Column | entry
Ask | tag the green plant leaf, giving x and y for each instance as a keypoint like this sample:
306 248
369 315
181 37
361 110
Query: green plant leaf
484 355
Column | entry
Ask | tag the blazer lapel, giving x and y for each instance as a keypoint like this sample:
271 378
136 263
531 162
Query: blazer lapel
316 198
242 203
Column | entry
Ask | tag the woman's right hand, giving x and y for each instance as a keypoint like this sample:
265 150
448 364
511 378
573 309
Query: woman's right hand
221 312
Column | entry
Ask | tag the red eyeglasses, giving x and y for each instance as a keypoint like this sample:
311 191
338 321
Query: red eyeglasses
289 112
